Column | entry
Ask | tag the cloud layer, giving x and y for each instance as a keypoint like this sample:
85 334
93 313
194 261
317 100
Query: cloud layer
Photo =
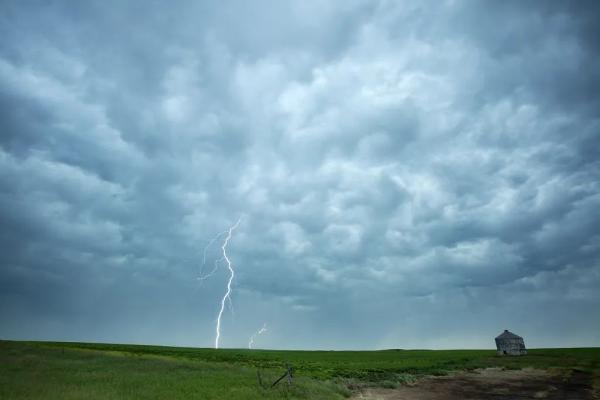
408 174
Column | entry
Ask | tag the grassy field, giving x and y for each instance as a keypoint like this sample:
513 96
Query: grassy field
49 370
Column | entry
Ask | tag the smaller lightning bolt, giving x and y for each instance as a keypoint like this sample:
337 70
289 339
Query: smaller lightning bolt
211 273
257 333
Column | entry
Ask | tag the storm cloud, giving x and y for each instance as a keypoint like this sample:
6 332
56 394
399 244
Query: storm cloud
409 174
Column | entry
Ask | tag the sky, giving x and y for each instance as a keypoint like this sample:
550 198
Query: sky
407 174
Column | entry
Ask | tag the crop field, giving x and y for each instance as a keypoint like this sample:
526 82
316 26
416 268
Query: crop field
51 370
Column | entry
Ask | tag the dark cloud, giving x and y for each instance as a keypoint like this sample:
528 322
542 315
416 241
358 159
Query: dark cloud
401 170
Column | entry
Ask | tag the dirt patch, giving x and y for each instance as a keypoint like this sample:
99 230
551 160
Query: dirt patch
492 383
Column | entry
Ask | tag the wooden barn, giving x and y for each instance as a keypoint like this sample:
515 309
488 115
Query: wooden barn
509 344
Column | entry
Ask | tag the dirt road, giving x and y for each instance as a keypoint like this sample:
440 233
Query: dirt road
491 383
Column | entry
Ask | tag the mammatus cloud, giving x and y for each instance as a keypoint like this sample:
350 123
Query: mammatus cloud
404 169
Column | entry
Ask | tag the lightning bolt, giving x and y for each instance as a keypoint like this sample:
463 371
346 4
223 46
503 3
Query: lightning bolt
211 273
257 333
227 295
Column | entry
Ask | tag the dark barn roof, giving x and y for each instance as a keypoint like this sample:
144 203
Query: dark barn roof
508 335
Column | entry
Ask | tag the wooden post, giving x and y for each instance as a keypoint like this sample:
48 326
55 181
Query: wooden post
260 382
289 374
279 380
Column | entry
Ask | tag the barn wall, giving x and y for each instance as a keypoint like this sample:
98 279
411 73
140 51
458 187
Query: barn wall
514 347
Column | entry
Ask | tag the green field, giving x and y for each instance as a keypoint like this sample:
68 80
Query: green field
50 370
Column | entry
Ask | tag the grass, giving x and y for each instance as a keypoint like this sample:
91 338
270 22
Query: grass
37 371
50 370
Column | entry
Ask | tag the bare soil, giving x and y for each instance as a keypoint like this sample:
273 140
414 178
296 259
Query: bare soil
492 383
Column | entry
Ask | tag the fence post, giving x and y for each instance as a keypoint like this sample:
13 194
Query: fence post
289 374
260 382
